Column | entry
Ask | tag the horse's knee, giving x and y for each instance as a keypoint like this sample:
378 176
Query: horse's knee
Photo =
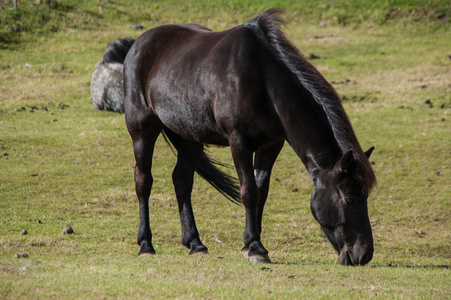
249 195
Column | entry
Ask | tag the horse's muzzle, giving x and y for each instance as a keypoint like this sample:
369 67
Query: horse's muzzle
359 254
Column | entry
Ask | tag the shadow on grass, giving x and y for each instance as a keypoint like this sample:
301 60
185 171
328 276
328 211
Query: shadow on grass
409 266
371 265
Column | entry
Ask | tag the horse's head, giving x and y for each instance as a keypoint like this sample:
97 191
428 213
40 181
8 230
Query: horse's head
339 204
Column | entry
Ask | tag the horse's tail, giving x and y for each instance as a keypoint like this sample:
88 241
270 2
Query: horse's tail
117 50
207 168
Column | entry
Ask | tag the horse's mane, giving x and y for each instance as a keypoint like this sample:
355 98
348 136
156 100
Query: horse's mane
323 93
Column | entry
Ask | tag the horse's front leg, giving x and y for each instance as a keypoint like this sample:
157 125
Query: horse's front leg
263 163
189 154
243 159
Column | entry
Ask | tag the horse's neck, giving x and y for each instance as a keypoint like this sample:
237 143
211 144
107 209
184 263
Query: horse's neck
308 131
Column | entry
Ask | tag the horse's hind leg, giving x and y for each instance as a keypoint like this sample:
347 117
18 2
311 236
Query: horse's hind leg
188 157
143 185
143 146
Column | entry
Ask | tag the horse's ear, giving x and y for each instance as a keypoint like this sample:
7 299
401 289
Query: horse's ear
345 161
368 152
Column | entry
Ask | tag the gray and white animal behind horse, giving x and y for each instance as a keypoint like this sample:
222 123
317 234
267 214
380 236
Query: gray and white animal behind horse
107 91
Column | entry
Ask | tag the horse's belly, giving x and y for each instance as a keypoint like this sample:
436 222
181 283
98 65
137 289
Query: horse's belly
191 121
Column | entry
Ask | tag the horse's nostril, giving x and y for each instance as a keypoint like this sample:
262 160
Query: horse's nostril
363 251
345 258
355 258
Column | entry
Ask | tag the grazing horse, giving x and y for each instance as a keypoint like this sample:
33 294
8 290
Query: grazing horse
248 88
107 88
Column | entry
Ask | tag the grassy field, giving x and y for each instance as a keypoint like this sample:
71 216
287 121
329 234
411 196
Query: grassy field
64 163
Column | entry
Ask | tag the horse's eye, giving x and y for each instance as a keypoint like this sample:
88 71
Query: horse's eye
349 200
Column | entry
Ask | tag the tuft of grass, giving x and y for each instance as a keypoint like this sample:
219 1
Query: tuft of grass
63 163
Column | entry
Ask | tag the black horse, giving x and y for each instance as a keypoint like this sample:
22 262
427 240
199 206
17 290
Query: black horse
248 88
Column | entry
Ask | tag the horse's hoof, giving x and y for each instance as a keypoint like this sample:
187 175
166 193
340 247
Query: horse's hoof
201 251
259 259
146 249
256 253
198 248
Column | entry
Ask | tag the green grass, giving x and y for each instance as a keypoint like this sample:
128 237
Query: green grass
73 165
